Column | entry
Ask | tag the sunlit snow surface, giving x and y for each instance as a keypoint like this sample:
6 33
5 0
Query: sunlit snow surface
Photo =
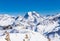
33 36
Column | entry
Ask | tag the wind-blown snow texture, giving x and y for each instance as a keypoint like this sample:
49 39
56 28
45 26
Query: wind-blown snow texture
45 27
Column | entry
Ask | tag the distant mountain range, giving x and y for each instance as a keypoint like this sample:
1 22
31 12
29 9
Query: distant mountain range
46 25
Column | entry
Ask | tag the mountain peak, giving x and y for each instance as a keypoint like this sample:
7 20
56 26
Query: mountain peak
34 11
31 14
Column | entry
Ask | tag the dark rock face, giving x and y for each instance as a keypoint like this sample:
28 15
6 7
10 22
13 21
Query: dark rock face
16 18
7 27
56 18
58 32
52 33
26 16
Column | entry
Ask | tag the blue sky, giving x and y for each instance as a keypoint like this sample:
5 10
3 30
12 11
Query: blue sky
16 7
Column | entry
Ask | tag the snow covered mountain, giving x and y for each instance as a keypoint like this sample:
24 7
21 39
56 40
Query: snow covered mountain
6 20
48 26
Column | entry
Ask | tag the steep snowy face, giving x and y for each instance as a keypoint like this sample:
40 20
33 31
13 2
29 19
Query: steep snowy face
6 20
46 26
52 31
18 19
33 17
20 23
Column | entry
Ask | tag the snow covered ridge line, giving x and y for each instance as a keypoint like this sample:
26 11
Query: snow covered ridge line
6 19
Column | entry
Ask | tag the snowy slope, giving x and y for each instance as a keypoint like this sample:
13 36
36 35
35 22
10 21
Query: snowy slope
20 36
6 20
